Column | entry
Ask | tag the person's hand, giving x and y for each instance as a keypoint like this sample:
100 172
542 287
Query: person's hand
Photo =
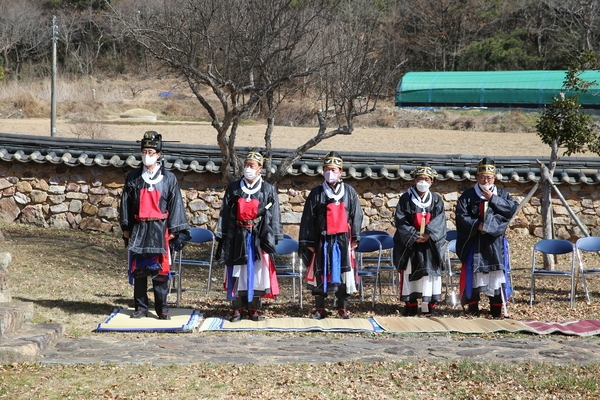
312 249
171 236
423 238
487 194
480 227
354 245
126 234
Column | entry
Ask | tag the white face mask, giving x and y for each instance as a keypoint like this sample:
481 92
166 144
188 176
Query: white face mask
423 186
250 174
149 160
486 187
331 177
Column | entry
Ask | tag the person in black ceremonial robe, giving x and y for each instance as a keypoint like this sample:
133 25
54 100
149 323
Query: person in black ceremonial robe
420 243
329 234
248 230
152 218
482 216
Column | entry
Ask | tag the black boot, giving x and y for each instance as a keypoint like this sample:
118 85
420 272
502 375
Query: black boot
237 315
473 310
411 309
319 313
255 315
496 307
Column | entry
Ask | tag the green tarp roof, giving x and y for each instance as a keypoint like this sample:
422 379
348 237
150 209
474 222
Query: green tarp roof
489 88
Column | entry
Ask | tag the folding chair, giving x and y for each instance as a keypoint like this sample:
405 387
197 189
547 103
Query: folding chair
451 235
368 244
553 247
198 236
387 243
289 247
587 244
451 273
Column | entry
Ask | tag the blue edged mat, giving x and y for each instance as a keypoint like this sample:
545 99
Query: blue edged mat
182 320
293 324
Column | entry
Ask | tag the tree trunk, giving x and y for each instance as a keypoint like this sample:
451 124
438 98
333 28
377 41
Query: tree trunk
546 174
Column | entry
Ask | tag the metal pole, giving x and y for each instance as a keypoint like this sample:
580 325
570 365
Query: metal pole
569 209
53 89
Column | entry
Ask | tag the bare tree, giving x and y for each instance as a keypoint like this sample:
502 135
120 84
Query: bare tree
247 51
20 33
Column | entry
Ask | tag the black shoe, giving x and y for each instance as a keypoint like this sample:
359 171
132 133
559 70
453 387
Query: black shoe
496 311
237 316
411 310
430 311
319 313
164 316
257 318
473 311
255 315
343 313
139 314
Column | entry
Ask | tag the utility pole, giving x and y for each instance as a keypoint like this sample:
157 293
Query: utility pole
53 89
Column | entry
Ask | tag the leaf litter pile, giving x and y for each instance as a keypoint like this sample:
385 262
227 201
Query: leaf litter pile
76 278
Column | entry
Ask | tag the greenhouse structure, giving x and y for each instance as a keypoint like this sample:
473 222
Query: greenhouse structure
507 89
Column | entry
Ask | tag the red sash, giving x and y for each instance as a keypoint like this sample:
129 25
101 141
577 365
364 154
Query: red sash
149 205
336 218
482 210
417 219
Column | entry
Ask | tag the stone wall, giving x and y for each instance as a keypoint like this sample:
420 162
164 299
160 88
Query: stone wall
54 195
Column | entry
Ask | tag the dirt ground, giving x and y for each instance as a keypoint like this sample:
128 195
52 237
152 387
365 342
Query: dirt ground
386 140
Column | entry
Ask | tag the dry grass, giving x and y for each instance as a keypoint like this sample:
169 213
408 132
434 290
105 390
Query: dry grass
170 99
422 380
77 278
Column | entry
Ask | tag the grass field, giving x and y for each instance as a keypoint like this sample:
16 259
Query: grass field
77 278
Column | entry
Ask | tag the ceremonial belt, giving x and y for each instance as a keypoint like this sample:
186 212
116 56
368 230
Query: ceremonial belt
163 217
247 223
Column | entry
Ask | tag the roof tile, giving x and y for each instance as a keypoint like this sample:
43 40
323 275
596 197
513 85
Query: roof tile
358 165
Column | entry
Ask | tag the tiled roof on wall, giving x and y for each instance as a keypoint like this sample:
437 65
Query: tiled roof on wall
201 158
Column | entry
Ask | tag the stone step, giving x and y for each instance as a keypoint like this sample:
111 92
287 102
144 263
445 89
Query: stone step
13 315
29 342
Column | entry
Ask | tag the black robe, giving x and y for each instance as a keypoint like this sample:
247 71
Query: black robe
426 258
148 237
488 247
267 231
312 226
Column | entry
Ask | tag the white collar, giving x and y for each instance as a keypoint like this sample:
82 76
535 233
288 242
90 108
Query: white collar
251 188
335 193
424 202
148 174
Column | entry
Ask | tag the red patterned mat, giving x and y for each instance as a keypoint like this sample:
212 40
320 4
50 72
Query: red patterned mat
582 327
588 327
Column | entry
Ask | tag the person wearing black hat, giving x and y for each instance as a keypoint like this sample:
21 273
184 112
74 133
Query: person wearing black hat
419 243
248 230
152 216
482 216
329 233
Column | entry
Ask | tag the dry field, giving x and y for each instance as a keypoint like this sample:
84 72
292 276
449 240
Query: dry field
363 139
94 106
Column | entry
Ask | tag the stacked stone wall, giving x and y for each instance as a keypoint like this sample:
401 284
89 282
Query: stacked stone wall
58 196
